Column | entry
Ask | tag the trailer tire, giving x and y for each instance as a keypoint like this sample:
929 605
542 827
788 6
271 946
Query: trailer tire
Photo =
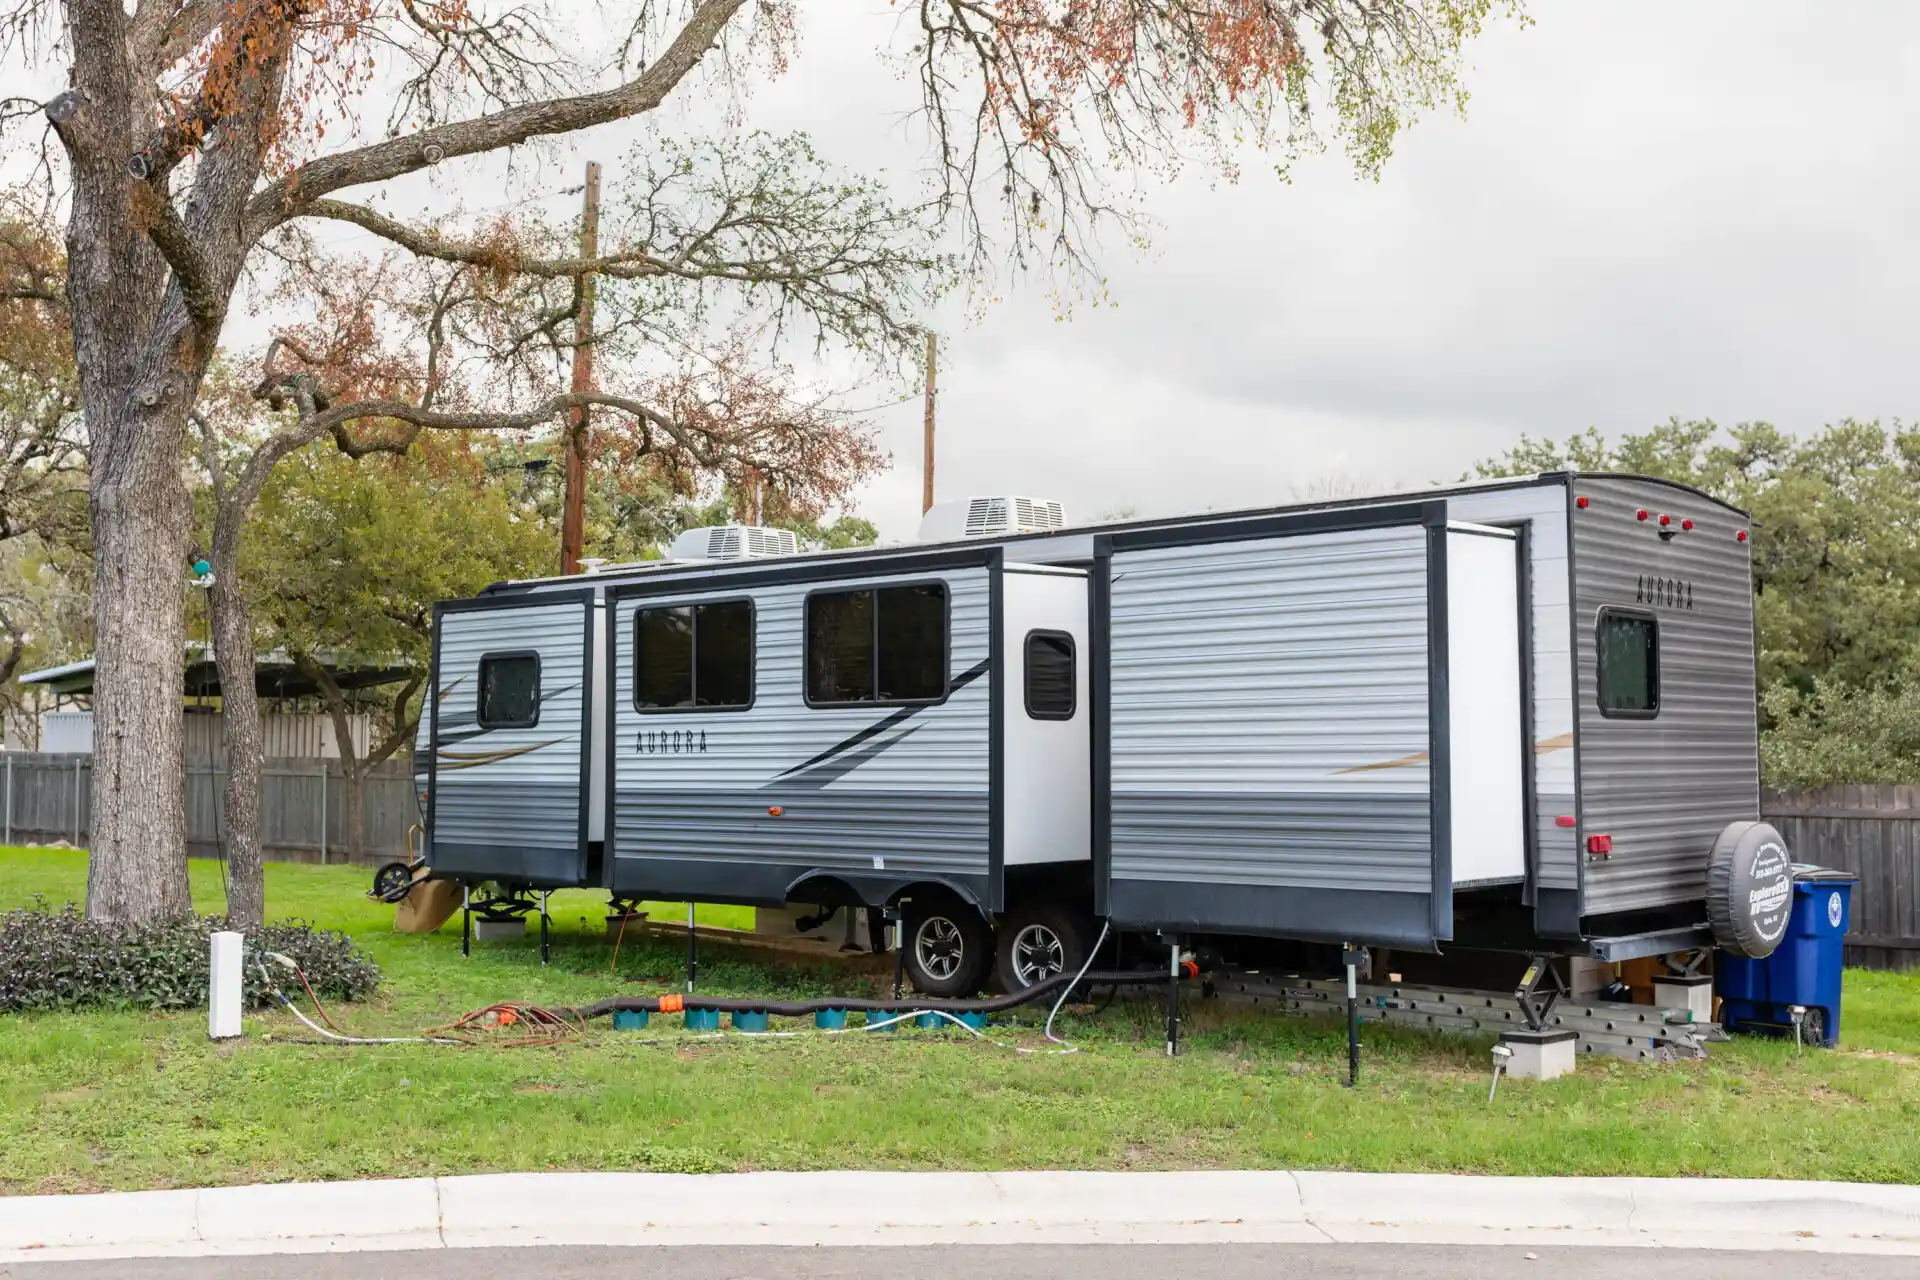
949 946
1749 889
391 881
1039 942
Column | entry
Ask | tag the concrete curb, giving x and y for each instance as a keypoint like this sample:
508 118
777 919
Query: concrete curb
962 1208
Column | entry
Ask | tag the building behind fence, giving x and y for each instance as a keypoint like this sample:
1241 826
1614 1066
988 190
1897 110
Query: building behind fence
303 806
1873 832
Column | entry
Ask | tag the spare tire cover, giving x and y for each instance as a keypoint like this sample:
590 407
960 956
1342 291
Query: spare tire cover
1749 889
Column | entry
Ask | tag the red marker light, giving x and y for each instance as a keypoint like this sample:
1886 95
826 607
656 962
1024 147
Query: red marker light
1581 502
1665 520
1600 846
1740 536
1641 514
1686 524
1564 820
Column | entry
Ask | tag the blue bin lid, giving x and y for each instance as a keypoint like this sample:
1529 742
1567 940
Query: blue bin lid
1808 873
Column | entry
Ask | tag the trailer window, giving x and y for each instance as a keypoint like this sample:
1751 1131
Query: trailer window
1050 675
1629 661
509 691
882 645
694 657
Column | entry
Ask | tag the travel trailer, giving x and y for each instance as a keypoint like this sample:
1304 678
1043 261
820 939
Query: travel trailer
1517 716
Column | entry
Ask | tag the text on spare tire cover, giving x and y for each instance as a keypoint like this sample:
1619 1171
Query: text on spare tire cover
1772 873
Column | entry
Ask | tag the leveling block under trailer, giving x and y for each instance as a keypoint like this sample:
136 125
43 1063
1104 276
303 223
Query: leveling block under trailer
1515 716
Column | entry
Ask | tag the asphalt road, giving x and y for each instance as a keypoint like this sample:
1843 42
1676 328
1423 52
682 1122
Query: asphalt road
1012 1262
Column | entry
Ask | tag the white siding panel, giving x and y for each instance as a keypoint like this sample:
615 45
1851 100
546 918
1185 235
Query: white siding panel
911 797
1269 712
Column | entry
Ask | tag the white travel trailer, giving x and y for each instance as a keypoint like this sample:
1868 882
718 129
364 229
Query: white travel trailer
1517 716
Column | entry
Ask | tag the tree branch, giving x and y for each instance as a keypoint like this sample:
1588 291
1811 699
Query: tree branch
205 300
384 160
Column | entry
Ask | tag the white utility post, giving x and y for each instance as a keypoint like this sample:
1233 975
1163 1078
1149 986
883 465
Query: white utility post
225 957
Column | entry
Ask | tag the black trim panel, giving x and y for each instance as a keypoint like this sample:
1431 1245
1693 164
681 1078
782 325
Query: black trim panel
1439 727
1275 911
996 735
768 884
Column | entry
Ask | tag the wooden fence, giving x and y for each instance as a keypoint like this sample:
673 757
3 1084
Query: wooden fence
303 806
1873 832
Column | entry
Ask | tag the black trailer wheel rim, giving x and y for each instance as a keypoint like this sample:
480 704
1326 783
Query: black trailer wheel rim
1038 954
939 947
391 879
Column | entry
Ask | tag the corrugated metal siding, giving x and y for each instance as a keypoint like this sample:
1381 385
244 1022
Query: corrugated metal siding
530 799
1663 788
1268 712
915 796
1544 508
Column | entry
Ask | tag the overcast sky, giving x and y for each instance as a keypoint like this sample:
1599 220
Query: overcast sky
1706 209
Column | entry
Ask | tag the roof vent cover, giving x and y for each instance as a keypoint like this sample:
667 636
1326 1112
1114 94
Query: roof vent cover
989 518
733 542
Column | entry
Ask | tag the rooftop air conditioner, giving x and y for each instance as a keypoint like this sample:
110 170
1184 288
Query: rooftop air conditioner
989 518
733 542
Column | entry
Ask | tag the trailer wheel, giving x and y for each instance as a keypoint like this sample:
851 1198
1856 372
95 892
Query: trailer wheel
949 947
391 882
1040 942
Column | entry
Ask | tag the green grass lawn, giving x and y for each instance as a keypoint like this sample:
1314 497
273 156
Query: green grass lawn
114 1100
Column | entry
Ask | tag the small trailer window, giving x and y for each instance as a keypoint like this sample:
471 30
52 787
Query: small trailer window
1050 675
879 645
694 657
509 691
1629 653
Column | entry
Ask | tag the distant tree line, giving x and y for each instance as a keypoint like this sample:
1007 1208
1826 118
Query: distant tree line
1836 577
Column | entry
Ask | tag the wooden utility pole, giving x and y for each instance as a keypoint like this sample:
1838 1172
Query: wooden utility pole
573 516
926 486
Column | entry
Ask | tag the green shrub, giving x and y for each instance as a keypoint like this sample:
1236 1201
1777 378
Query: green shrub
63 960
1840 735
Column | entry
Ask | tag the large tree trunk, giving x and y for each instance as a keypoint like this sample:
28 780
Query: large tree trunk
356 779
240 709
137 869
139 364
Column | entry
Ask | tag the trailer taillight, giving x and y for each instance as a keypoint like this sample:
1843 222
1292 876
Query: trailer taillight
1686 524
1641 514
1740 536
1581 502
1599 846
1665 519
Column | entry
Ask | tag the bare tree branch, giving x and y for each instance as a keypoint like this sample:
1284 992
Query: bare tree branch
505 128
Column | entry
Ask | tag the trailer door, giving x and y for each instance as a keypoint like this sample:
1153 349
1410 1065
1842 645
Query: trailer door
511 705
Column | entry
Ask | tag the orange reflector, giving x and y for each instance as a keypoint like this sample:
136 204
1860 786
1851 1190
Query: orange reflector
774 810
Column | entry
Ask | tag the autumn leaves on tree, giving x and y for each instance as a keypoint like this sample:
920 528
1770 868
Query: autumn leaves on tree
200 140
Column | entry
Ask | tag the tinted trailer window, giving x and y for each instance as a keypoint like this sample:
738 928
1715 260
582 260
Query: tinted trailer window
509 691
885 645
694 657
1629 653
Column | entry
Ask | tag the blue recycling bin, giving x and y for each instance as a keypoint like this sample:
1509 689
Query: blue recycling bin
1804 970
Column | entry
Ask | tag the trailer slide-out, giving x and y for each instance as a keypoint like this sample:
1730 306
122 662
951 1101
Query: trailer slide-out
1516 716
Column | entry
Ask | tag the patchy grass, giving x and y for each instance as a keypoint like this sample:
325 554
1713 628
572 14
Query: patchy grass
124 1100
